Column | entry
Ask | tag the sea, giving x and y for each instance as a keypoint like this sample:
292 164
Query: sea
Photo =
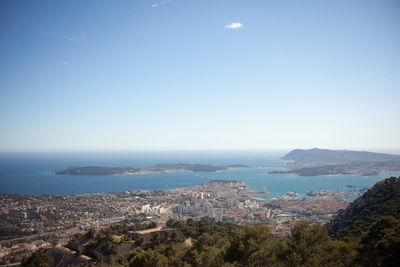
31 172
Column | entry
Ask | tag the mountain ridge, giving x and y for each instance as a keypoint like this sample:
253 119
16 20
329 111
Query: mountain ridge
312 162
326 156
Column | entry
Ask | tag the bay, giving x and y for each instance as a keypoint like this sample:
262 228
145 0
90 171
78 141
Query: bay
30 172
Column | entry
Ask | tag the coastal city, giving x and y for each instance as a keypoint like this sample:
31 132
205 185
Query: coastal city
31 222
157 133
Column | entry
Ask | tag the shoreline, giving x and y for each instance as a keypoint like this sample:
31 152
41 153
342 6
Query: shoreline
256 177
146 172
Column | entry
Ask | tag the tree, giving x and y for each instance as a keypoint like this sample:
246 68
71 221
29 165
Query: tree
246 241
91 233
380 245
149 258
79 252
152 225
37 259
310 245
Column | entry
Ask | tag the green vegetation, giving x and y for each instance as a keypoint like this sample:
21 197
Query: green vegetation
380 245
226 244
363 236
38 259
383 199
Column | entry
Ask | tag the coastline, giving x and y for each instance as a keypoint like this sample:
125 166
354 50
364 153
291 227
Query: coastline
256 177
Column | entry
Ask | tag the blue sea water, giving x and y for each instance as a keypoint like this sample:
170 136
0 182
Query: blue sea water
30 172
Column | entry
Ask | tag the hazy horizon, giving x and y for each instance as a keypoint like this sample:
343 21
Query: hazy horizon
274 151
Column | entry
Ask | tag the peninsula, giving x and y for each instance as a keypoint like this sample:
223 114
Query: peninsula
313 162
158 168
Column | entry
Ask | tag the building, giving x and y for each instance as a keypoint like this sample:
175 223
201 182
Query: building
219 214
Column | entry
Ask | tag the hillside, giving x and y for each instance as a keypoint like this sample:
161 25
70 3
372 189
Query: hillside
318 156
316 161
383 199
207 243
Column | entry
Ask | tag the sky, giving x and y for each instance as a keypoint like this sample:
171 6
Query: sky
206 75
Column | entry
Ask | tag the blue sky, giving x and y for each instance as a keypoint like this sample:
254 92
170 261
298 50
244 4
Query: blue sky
186 74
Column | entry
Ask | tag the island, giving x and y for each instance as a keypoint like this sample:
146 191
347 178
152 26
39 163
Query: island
158 168
314 162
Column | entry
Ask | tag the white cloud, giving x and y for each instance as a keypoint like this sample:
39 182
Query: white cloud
159 3
234 25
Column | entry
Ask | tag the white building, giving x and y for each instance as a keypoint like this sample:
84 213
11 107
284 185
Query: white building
219 214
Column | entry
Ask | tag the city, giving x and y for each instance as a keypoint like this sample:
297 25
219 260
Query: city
32 222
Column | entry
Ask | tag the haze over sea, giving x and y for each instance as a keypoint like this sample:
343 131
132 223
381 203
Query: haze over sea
30 172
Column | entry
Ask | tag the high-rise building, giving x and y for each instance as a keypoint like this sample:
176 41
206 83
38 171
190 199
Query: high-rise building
210 213
219 214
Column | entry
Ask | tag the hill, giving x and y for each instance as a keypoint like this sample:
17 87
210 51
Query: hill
383 199
317 161
318 156
208 243
102 170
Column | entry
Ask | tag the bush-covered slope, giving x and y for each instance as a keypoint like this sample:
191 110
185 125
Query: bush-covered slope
207 243
383 199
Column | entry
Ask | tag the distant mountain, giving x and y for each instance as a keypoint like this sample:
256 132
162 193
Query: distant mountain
317 161
318 156
383 199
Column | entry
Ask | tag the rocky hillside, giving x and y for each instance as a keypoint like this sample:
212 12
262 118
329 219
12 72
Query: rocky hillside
383 199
